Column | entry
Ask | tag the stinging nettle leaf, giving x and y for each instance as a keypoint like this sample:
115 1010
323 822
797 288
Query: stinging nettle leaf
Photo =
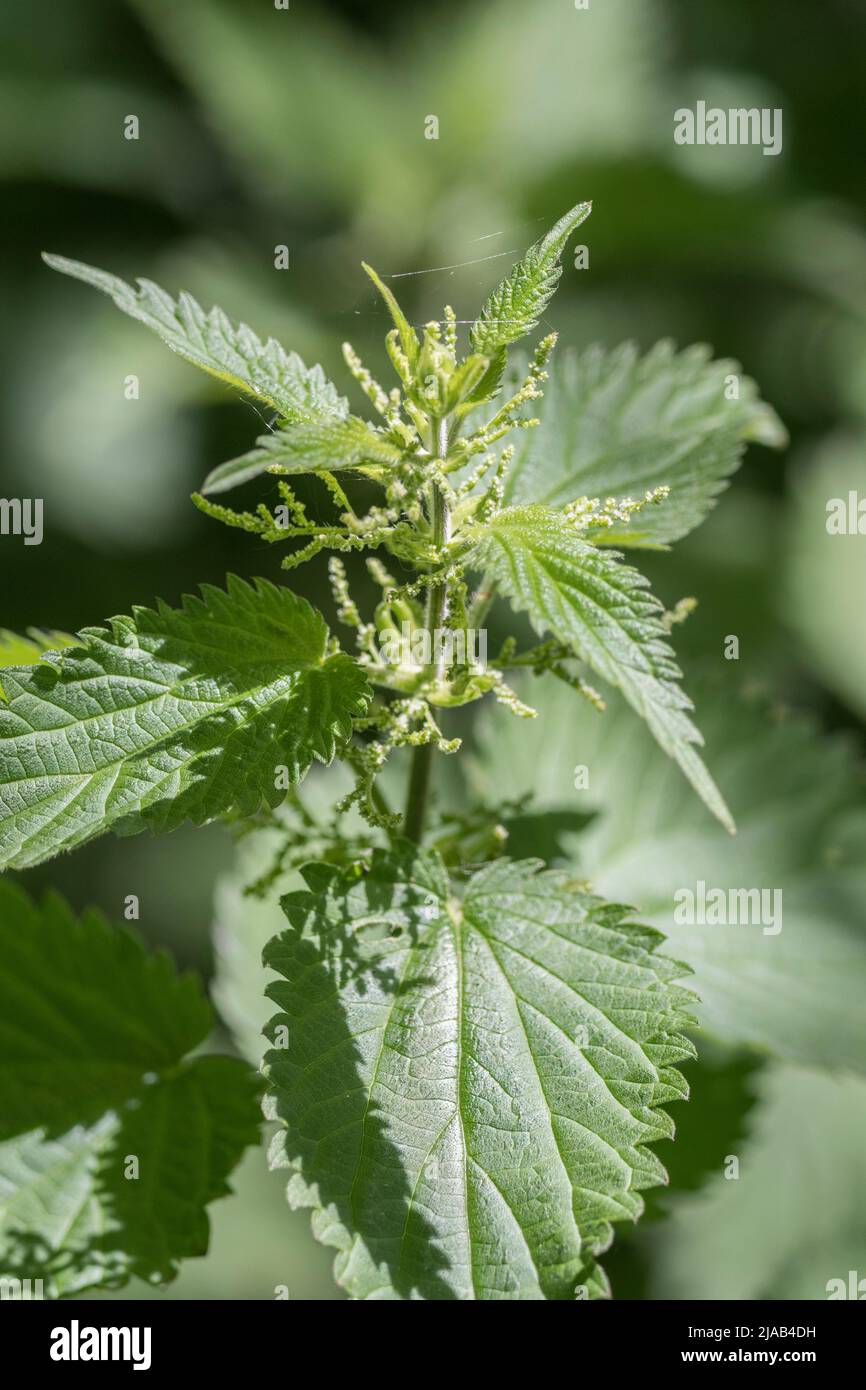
231 352
464 384
196 1123
717 1119
796 992
170 715
470 1083
94 1037
515 307
619 424
601 608
408 337
70 1214
16 650
85 1013
307 446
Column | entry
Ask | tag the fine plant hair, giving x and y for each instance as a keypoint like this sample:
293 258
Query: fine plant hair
471 1053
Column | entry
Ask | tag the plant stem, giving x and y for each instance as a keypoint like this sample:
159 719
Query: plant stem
422 757
419 786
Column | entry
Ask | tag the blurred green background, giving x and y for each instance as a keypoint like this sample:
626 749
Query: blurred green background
304 127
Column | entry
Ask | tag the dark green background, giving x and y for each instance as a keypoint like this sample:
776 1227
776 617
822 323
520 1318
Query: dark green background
305 128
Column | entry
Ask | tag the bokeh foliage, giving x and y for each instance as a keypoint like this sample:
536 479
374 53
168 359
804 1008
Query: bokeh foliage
305 128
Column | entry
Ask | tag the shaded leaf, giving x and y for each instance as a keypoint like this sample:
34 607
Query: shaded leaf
618 424
112 1143
85 1013
187 1134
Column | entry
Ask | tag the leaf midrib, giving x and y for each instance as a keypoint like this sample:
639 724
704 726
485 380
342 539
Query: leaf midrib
568 586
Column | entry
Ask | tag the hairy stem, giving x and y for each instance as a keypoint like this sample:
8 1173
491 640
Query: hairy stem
422 758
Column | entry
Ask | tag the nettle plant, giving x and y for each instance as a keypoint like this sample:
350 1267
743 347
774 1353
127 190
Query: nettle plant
471 1054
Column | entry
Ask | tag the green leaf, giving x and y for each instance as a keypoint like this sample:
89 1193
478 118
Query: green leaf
793 1220
84 1015
801 818
93 1073
187 1133
490 382
465 383
170 715
722 1098
308 446
24 651
602 609
469 1084
618 424
517 304
51 1217
231 352
16 650
408 337
71 1215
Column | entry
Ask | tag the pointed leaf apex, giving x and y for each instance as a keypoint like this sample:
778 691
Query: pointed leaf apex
408 337
515 307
